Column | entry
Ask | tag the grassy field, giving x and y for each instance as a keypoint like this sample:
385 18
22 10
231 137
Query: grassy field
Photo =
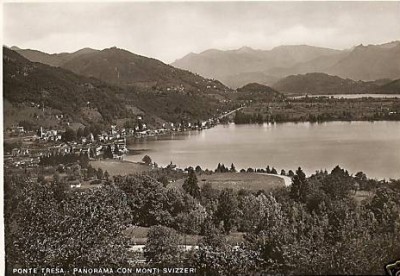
238 181
138 236
117 167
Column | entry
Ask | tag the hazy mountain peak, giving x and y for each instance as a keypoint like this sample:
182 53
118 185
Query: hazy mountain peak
391 44
245 49
211 51
86 50
238 67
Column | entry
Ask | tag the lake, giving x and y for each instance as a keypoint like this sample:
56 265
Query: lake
352 96
371 147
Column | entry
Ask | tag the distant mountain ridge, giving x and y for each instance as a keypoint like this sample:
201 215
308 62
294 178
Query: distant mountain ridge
324 84
369 63
236 67
232 65
121 67
56 60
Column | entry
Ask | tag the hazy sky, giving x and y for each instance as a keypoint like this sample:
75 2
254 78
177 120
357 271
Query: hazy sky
168 31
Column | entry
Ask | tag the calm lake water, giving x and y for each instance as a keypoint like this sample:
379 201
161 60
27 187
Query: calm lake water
354 96
371 147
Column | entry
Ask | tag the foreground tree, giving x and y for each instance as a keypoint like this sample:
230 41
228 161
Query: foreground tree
191 185
162 246
299 188
227 210
147 199
84 229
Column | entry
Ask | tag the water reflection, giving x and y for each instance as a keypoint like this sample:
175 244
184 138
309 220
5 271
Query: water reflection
372 147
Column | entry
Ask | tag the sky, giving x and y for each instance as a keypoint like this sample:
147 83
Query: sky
170 30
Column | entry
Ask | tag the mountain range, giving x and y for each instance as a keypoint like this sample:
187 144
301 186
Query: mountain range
66 81
123 68
115 82
236 68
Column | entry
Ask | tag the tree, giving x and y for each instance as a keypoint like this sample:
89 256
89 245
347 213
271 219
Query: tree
84 229
299 187
116 149
91 172
99 174
86 131
106 175
338 183
221 168
232 169
69 135
95 129
191 185
79 133
252 210
191 220
164 180
227 210
162 246
147 199
84 161
361 180
147 160
213 236
41 179
108 152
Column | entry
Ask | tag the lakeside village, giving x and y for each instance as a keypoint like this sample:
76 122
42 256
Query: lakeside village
28 149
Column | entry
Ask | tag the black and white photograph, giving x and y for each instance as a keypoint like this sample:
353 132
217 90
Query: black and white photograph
200 138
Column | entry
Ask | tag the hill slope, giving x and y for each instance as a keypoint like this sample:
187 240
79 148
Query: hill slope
322 84
39 84
189 98
258 92
391 87
121 67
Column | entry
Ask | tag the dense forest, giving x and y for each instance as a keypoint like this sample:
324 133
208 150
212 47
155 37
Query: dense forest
314 226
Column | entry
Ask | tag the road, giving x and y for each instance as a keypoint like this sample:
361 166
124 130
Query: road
229 113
